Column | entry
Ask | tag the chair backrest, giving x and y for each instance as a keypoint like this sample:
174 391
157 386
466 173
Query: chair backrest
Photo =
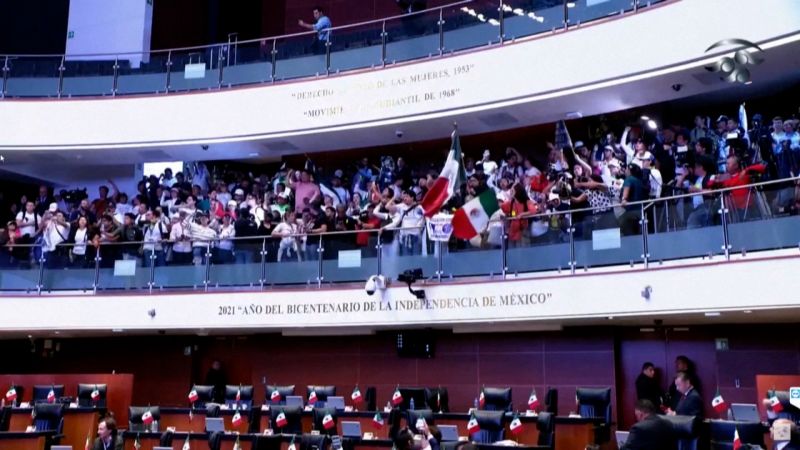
215 440
213 410
412 415
313 441
293 415
323 392
370 399
546 424
722 431
319 414
48 416
686 430
246 397
166 439
417 393
5 418
594 402
135 417
40 392
497 399
85 395
285 391
551 401
437 399
492 425
205 394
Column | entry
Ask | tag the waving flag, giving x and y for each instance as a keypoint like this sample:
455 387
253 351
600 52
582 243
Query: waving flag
312 398
377 420
472 425
237 419
147 417
356 396
327 422
397 397
562 135
718 403
516 425
775 403
472 219
281 420
533 401
193 396
450 179
275 396
11 394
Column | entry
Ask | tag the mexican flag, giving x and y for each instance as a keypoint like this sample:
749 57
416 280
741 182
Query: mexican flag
237 419
327 422
312 398
147 417
51 396
275 396
397 397
533 401
472 425
450 179
237 445
737 443
291 444
482 400
11 394
718 403
239 394
775 403
516 425
472 219
88 444
137 443
356 396
186 445
377 420
95 395
281 420
193 396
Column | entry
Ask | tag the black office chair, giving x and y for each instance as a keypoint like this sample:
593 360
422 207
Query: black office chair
215 440
40 392
595 403
412 415
166 439
5 418
85 395
213 410
437 399
49 417
293 415
418 394
135 413
687 431
370 399
284 392
319 415
497 399
546 424
246 396
551 401
722 432
314 441
205 394
322 392
492 427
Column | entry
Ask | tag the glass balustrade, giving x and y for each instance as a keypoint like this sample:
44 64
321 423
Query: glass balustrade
438 31
685 226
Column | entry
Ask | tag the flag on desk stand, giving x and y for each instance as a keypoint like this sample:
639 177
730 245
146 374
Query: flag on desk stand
291 444
147 417
312 398
237 445
186 445
397 397
11 395
137 443
95 395
377 420
718 403
775 403
737 443
51 396
327 422
533 401
191 416
473 426
516 425
275 397
281 420
356 396
482 400
193 397
237 419
439 399
239 394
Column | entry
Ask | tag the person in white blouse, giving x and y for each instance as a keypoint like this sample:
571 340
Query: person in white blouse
203 237
80 236
181 241
225 247
56 233
287 231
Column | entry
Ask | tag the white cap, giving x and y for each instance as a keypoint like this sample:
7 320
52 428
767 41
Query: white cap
238 192
53 207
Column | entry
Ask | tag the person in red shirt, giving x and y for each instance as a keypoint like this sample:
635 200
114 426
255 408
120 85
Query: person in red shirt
741 200
518 207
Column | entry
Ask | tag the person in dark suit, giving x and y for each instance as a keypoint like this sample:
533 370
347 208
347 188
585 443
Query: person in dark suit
686 365
650 432
647 387
107 437
690 402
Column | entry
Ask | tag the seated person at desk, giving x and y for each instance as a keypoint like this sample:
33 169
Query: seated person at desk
107 438
650 432
690 402
405 439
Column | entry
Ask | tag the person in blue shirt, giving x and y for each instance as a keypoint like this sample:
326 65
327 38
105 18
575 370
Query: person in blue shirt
323 28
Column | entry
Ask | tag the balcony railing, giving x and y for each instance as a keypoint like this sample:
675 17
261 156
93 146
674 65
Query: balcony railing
638 235
431 33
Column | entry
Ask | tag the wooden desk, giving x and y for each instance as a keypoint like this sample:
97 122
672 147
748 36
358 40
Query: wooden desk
77 423
24 441
196 440
179 418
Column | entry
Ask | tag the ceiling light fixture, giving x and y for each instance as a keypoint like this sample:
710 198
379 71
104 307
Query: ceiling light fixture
712 314
570 4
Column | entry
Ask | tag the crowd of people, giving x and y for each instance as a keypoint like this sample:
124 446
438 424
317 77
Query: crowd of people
207 214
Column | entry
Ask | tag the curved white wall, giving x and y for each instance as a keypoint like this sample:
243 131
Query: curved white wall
537 69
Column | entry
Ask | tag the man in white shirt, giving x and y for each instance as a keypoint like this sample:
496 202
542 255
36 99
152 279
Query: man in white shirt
56 232
154 232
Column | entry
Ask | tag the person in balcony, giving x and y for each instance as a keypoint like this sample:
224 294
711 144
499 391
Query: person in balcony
633 190
203 236
155 231
287 231
518 208
743 201
698 181
322 26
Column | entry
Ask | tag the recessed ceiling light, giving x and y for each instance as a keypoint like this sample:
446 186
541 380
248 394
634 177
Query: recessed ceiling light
117 330
570 4
747 311
712 314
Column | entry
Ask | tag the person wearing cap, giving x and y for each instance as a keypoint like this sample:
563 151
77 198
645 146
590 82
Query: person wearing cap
56 233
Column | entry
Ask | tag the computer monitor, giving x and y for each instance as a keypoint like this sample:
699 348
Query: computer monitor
351 429
745 412
40 392
449 433
294 400
335 402
418 394
85 395
62 447
214 424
